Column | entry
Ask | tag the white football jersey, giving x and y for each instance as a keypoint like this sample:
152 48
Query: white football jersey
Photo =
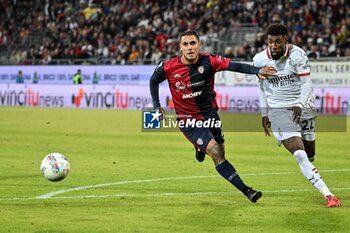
285 89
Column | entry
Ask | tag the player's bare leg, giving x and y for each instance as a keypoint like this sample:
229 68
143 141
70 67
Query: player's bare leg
223 147
200 155
310 149
215 151
226 170
296 147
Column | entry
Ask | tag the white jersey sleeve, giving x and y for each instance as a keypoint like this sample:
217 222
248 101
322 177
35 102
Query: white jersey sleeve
262 97
303 71
300 62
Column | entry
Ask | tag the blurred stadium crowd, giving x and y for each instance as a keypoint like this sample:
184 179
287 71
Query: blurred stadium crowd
146 31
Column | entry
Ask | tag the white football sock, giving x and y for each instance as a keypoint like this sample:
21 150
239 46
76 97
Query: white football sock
311 173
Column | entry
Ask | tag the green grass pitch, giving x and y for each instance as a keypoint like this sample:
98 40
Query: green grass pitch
125 180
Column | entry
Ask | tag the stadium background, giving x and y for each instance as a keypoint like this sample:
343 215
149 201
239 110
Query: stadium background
145 31
120 42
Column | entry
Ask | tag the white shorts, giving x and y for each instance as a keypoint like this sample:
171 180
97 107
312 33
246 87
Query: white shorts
284 127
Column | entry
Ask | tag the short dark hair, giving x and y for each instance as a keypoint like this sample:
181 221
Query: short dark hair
277 29
189 33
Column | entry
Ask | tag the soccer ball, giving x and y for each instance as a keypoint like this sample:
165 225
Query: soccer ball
55 167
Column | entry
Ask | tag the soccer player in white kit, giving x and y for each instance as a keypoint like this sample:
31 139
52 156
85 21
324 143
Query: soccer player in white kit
286 101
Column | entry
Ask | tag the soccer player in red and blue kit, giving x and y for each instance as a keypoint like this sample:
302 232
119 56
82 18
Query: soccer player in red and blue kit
191 82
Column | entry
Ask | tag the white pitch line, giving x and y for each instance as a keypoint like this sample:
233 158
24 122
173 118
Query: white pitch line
52 194
234 192
187 194
49 195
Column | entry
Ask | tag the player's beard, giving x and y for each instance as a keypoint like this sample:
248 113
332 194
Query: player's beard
279 54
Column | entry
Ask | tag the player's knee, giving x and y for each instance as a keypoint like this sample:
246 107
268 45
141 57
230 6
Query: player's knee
293 144
308 136
300 156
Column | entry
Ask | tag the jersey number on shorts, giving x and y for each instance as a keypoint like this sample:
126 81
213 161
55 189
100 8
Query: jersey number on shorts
308 124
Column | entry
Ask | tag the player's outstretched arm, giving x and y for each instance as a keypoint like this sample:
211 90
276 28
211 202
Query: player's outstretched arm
249 69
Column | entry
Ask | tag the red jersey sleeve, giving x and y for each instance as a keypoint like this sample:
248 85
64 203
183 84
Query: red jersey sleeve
219 63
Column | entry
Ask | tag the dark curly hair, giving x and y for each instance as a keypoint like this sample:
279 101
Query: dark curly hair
277 29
